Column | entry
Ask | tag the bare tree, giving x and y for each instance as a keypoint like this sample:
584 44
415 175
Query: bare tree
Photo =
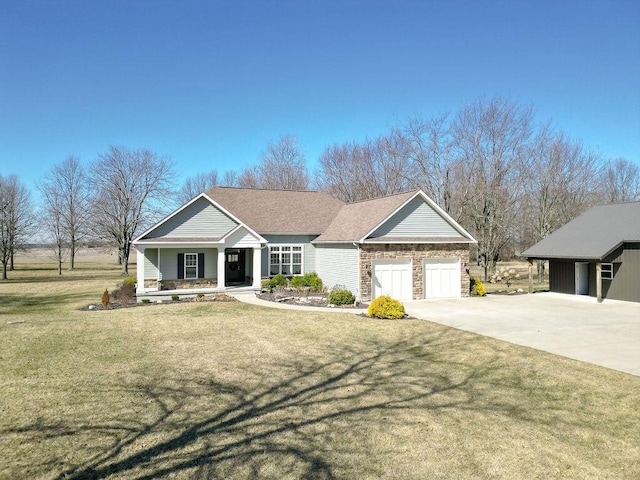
620 181
491 140
194 186
132 188
282 166
17 220
433 169
361 171
558 185
249 177
53 221
68 182
230 178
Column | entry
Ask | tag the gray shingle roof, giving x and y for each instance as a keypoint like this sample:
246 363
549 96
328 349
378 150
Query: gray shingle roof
278 211
592 235
355 220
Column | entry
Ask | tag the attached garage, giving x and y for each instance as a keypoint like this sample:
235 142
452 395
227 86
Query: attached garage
393 278
441 277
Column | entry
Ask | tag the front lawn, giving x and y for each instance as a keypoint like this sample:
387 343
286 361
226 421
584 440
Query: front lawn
227 390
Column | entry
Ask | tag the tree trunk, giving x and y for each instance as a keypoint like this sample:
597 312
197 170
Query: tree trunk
11 267
4 270
123 255
72 254
540 265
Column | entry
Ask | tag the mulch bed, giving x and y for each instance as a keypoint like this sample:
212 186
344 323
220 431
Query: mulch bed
303 299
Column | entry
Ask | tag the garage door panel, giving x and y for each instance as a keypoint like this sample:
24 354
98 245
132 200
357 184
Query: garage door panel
393 278
441 278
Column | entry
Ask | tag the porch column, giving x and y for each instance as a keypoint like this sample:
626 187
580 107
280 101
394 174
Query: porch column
257 267
139 269
599 281
221 265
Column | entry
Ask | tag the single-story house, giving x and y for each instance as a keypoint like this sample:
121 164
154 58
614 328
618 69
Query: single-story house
402 245
596 254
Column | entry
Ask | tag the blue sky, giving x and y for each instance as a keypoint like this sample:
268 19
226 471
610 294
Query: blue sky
210 83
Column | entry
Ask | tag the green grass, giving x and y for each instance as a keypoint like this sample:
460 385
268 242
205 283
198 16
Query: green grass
227 390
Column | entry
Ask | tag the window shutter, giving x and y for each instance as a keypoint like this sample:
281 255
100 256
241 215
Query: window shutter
180 266
201 265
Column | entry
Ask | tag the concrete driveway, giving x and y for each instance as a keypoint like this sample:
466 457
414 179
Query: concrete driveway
605 334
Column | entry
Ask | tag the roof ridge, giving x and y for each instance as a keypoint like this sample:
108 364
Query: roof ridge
265 189
416 190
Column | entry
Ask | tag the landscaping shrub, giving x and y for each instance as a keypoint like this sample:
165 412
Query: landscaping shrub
477 287
105 298
130 281
146 300
124 293
386 307
175 298
310 280
341 297
278 281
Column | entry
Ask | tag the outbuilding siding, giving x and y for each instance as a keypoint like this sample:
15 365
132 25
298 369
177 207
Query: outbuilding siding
199 220
562 276
626 267
416 219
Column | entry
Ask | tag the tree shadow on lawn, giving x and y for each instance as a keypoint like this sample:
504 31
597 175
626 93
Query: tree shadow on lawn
303 425
26 303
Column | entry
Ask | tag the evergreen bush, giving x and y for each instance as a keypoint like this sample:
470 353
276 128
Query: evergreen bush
386 307
105 298
341 297
477 287
310 280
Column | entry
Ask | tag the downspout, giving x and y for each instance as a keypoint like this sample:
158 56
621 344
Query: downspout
358 299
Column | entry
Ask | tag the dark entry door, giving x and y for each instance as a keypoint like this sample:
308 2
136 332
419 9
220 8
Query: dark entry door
234 266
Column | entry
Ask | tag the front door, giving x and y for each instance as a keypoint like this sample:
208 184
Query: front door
234 266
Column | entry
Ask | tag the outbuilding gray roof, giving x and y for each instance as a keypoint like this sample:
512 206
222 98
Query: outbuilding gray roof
592 235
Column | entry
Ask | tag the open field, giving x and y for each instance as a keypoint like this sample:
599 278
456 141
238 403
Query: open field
227 390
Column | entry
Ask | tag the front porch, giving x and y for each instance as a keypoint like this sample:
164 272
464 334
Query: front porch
211 267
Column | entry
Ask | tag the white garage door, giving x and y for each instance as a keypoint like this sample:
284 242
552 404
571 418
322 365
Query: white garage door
441 278
393 278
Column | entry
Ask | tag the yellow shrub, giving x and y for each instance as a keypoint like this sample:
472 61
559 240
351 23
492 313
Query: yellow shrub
477 287
386 307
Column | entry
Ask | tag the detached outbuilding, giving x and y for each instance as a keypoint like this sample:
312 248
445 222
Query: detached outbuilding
596 254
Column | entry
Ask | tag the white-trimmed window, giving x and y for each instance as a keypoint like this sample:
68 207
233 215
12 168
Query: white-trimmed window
285 259
607 271
190 265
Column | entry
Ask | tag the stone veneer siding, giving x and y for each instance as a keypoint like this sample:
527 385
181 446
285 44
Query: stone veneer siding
187 284
417 252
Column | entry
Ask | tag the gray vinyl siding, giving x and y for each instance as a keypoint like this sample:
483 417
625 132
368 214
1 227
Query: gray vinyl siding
626 274
151 263
169 261
416 219
337 264
308 250
199 220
